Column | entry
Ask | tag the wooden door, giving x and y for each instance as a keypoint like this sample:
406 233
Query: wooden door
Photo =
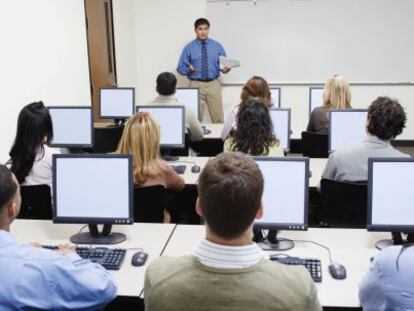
101 48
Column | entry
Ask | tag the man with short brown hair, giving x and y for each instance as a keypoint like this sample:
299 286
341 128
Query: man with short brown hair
228 271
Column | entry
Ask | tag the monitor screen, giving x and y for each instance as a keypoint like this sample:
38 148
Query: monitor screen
92 189
346 128
172 124
315 98
390 194
285 195
72 127
190 99
116 103
281 126
276 98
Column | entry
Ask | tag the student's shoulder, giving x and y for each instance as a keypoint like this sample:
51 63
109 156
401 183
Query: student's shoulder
292 274
166 267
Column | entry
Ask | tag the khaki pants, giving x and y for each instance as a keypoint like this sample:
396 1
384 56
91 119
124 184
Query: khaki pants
210 98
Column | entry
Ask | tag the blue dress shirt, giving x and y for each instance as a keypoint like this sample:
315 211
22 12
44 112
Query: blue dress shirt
39 279
386 287
192 55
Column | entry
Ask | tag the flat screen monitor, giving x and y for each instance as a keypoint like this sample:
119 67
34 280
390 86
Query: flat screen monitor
171 120
116 103
315 98
285 195
281 125
346 128
276 96
72 127
189 97
390 196
93 189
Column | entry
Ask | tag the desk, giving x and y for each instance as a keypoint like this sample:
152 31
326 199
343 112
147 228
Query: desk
351 247
151 237
190 177
215 129
316 166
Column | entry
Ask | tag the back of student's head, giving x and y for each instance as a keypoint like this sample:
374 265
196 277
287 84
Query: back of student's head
141 139
257 87
8 187
230 189
337 94
166 83
254 133
34 128
386 118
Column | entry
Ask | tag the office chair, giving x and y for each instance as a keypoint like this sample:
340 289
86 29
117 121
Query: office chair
149 204
344 204
314 145
36 202
106 139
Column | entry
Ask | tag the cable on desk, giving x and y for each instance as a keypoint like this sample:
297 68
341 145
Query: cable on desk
319 244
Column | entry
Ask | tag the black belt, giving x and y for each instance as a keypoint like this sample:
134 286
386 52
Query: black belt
204 80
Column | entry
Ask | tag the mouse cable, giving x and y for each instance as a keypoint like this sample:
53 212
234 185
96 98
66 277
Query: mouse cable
319 244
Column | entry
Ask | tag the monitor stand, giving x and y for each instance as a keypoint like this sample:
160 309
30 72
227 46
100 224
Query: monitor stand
397 239
96 237
165 154
273 243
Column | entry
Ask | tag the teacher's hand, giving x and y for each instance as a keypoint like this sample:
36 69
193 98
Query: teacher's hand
226 70
191 67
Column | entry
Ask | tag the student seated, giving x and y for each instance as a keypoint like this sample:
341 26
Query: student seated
30 156
255 87
33 278
388 285
336 95
386 120
141 139
166 88
254 133
228 271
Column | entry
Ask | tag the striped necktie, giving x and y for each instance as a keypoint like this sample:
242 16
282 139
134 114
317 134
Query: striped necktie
204 60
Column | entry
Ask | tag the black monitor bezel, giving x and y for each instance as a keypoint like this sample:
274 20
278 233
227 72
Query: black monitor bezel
94 220
171 146
53 145
383 228
279 103
310 96
287 149
289 226
330 123
198 112
116 117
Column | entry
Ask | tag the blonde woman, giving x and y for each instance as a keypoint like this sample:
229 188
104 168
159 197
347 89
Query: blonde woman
141 139
336 95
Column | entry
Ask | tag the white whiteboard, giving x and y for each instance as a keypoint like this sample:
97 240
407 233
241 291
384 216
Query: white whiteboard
309 41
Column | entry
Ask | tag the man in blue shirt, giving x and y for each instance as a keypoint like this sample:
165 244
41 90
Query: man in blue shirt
33 278
199 61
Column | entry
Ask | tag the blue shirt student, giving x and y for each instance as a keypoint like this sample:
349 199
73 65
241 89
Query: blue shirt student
34 278
389 283
192 55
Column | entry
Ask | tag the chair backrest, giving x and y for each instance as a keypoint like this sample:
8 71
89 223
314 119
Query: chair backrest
149 204
106 139
314 145
36 202
344 204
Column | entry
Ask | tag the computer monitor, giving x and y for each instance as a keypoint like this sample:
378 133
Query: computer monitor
172 124
390 198
347 127
281 125
285 198
116 103
72 127
189 97
93 189
276 96
315 98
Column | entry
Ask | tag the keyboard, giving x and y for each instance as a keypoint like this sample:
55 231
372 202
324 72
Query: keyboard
179 169
311 264
110 259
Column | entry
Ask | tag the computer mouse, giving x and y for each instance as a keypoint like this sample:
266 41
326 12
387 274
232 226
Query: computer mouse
337 271
139 259
195 169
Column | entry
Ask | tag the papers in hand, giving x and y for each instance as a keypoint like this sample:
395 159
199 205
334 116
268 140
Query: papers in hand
228 62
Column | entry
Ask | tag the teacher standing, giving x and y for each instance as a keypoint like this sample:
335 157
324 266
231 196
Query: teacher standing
199 61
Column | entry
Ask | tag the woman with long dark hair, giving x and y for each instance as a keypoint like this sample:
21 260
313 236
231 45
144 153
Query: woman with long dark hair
254 133
30 156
